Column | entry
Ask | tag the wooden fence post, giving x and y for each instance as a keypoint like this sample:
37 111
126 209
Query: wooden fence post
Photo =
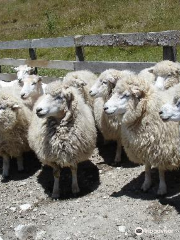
169 53
79 54
32 54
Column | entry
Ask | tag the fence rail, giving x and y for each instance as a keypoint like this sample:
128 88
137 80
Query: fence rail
169 40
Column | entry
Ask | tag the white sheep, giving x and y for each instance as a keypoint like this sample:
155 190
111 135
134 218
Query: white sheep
62 131
14 121
170 111
109 126
145 137
167 74
23 70
31 89
83 81
148 75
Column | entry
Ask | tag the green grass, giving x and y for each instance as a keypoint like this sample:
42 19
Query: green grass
23 19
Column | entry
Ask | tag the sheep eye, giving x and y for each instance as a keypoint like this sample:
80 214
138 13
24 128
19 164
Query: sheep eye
58 98
125 95
34 83
2 108
104 82
178 103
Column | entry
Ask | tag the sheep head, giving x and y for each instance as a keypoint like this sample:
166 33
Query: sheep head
58 103
23 70
31 86
104 84
171 112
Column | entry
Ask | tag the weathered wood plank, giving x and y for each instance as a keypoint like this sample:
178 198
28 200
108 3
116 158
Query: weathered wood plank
169 53
166 38
98 67
10 77
54 64
17 44
53 42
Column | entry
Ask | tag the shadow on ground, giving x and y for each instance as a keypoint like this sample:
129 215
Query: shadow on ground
88 179
31 166
108 152
133 189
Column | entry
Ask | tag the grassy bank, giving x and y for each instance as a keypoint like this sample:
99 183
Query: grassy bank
23 19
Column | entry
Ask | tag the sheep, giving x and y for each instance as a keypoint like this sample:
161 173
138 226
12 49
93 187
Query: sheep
62 131
14 121
148 75
31 89
170 111
109 126
23 70
167 74
83 81
145 137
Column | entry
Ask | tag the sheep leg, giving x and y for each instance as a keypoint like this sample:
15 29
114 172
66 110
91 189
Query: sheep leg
162 184
20 163
75 187
56 192
147 182
6 163
118 152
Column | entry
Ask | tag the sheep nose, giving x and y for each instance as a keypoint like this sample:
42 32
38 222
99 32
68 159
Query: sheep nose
161 112
105 108
38 110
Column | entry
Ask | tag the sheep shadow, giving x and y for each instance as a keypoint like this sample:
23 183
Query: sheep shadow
108 152
133 189
31 165
88 180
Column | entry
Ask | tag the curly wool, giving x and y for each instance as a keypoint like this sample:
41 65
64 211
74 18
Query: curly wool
75 79
14 125
61 145
145 137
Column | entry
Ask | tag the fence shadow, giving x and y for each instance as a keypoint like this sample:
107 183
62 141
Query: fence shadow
88 179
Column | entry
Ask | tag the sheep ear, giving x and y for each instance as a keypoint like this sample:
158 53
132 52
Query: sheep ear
15 68
137 92
151 70
32 69
15 106
81 83
69 96
39 78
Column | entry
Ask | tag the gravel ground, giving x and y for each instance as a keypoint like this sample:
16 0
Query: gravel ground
110 206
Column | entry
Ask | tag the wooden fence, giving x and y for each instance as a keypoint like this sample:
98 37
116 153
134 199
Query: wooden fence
167 39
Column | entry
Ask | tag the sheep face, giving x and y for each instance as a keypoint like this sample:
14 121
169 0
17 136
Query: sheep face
104 85
23 70
30 86
171 112
117 103
55 105
167 74
8 115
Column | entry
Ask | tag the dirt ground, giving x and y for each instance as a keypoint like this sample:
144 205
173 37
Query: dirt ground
111 205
